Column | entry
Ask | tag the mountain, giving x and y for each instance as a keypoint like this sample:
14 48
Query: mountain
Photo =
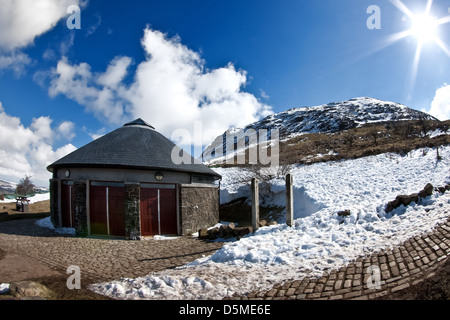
10 188
329 118
7 187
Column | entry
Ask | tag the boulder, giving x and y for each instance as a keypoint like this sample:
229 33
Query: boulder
203 233
392 205
240 232
213 233
28 289
404 199
414 197
427 191
344 213
447 186
441 189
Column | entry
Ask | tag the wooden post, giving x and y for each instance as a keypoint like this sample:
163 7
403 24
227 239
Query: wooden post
255 205
289 201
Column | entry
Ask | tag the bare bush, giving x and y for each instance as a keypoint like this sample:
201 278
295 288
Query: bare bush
25 186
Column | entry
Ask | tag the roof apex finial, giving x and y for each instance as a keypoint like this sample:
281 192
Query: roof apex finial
138 122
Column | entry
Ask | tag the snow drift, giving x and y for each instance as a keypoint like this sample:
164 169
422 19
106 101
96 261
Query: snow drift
320 239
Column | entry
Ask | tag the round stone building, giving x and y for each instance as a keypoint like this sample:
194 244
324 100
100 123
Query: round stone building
126 184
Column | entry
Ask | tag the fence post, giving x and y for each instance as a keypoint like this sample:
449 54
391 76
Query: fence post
255 205
289 201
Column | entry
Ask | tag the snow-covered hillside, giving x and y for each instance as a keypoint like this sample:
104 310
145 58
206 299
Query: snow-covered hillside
328 118
319 239
7 187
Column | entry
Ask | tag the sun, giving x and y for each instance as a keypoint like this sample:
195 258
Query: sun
424 28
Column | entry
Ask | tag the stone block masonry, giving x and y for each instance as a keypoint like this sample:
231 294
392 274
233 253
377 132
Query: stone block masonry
399 268
54 202
132 212
79 208
199 206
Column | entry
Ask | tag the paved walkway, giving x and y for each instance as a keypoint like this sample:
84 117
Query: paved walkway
396 269
101 260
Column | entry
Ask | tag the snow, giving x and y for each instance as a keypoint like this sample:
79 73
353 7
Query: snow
4 288
47 223
329 118
164 238
40 197
319 240
437 133
36 198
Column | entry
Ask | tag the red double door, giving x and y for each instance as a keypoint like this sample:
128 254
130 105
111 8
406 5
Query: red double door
158 210
107 210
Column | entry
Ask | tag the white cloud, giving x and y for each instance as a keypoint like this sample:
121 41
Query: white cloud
21 21
171 90
41 128
78 83
15 61
115 73
28 150
93 27
66 130
440 106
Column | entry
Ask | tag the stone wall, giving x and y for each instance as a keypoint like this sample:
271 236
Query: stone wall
54 217
79 208
132 212
199 208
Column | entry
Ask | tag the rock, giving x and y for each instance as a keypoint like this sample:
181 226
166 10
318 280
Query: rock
262 223
213 233
392 205
427 191
447 186
242 231
414 197
203 233
27 289
441 189
404 199
344 213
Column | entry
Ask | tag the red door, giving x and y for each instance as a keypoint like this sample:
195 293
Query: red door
97 210
158 210
67 216
116 211
149 212
168 211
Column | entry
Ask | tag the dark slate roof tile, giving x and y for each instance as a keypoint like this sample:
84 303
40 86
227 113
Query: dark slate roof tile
136 145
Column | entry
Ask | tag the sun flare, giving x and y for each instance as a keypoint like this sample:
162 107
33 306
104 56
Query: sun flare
424 28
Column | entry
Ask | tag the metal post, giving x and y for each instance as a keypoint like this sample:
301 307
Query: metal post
255 205
289 201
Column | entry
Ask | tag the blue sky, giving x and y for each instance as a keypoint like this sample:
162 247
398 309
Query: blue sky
180 63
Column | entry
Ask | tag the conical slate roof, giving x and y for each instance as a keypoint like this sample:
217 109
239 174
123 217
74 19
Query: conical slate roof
136 145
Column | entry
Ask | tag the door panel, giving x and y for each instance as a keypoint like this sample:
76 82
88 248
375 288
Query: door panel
164 221
116 206
149 212
168 211
97 199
